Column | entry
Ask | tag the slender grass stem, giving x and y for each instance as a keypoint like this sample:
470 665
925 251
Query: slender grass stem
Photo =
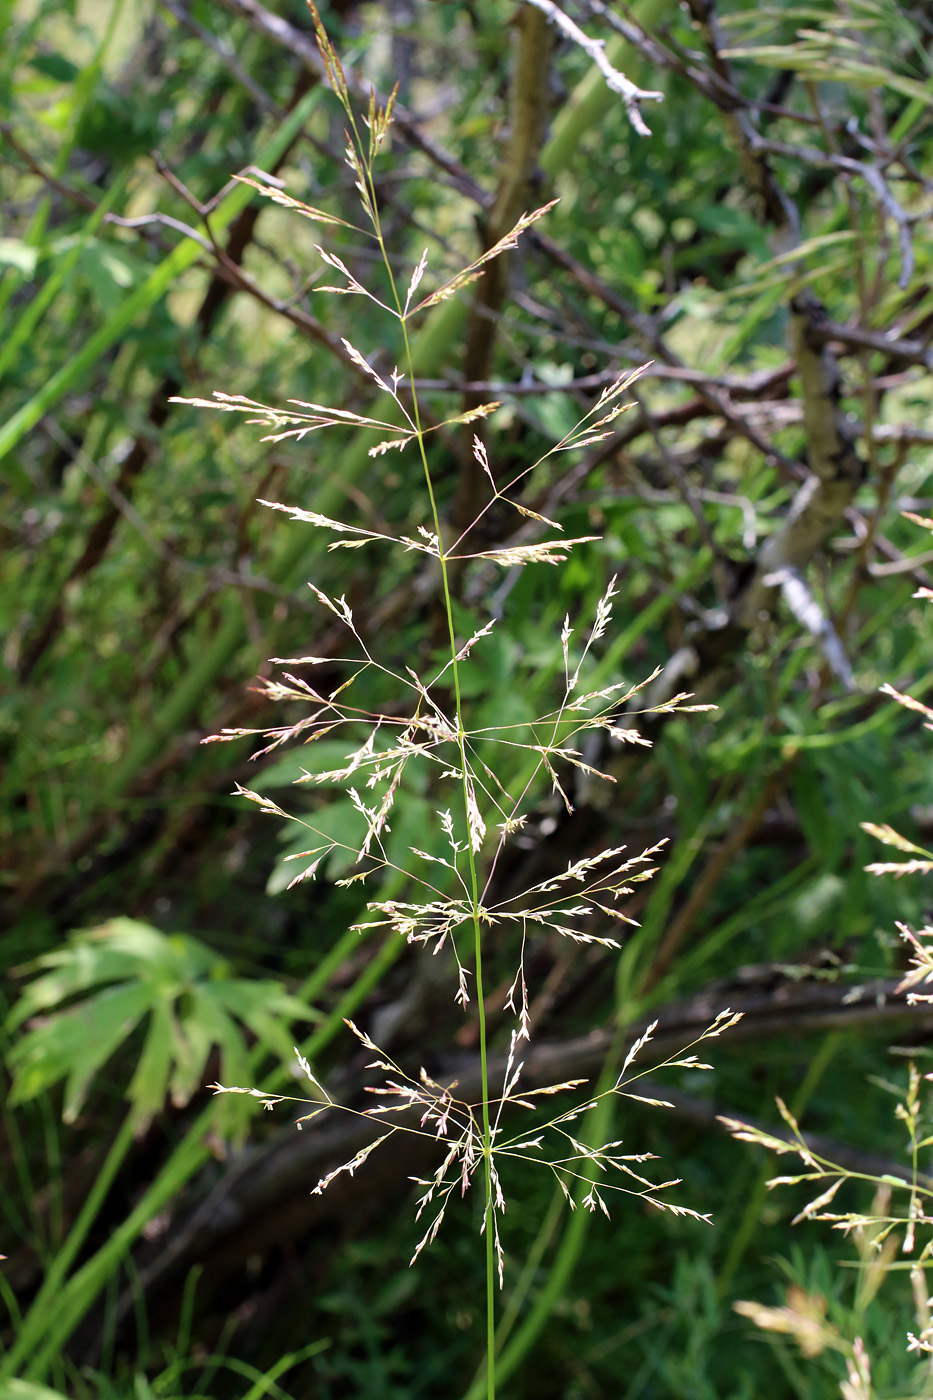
474 883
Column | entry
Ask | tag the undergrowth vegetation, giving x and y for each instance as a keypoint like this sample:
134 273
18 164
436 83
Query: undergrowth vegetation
893 1233
685 250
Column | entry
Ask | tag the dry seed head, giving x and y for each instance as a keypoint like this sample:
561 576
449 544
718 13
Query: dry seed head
267 1101
907 701
454 1124
481 410
475 269
544 552
364 365
307 211
416 277
813 1210
639 1044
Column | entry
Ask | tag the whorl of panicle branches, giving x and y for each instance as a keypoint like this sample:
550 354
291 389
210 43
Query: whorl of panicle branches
493 772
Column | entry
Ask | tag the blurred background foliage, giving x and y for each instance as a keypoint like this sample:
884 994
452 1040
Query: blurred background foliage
766 248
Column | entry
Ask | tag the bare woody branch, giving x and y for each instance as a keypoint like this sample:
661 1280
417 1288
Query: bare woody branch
595 49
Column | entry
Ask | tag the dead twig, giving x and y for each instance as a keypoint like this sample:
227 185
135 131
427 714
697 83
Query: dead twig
595 50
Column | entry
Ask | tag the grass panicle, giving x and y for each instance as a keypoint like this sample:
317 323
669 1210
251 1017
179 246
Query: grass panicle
486 778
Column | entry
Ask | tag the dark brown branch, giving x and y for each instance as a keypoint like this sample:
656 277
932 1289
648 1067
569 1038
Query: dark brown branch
914 352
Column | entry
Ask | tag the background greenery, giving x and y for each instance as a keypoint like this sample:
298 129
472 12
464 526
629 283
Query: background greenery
151 1252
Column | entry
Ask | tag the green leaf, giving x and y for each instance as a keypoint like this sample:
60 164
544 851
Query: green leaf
74 1045
265 1009
15 253
143 298
110 273
123 972
339 822
30 1390
323 756
193 1044
153 1069
54 66
233 1111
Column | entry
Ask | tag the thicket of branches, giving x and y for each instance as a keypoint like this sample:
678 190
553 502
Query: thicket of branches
743 209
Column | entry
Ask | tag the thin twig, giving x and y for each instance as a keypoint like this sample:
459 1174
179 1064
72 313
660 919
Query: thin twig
595 50
872 177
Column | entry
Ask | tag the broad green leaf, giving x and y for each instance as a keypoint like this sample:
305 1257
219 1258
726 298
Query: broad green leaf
323 756
75 1044
339 822
54 66
233 1111
264 1008
125 972
154 1066
110 272
193 1045
112 951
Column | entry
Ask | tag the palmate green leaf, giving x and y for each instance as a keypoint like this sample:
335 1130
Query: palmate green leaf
335 832
124 973
193 1044
146 1091
264 1008
74 970
233 1113
323 756
74 1045
112 952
